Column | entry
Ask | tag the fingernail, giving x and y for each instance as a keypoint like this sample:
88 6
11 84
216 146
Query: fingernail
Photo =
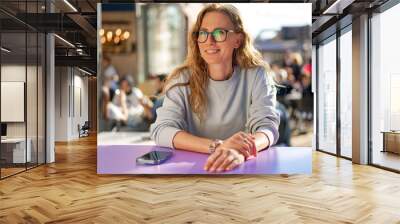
219 170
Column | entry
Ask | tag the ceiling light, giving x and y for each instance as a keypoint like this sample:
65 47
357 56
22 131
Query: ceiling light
126 35
65 41
84 71
109 35
116 40
118 32
5 50
338 6
101 32
70 5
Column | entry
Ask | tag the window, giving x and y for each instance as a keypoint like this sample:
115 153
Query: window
385 88
346 93
22 74
165 24
327 96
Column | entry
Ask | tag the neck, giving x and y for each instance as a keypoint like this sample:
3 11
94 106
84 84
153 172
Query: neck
220 72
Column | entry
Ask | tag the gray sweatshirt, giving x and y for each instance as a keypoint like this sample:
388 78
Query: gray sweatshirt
244 102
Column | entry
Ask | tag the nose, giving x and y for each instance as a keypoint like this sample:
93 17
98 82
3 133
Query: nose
211 39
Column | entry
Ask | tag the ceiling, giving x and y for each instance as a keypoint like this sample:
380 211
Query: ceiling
75 22
327 15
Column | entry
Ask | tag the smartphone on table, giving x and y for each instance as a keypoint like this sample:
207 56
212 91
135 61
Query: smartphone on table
154 158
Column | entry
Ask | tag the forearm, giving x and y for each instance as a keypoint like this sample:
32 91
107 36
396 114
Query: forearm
261 141
185 141
124 107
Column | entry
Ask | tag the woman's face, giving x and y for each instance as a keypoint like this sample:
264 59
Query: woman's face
218 52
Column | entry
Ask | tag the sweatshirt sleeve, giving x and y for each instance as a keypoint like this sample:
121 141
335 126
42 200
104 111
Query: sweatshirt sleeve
263 116
171 117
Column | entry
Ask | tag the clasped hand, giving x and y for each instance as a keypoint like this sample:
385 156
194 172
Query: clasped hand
231 153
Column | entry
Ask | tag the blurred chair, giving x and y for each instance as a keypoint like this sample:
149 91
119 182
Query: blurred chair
84 130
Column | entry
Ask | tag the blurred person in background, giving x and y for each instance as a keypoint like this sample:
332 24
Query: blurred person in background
307 91
158 99
130 109
296 65
306 70
221 100
307 97
279 74
159 83
110 74
292 62
296 95
108 88
284 126
280 77
283 87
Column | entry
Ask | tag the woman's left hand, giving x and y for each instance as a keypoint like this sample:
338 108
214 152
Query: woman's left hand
223 159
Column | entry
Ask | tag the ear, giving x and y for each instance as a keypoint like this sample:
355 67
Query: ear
239 40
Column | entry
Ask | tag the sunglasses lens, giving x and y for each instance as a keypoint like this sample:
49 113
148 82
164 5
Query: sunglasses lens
219 35
202 36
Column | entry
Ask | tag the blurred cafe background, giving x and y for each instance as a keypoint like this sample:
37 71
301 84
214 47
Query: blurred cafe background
142 43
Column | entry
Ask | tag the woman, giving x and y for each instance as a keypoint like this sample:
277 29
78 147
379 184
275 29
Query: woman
220 100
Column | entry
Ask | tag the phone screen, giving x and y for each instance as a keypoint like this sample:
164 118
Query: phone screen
154 157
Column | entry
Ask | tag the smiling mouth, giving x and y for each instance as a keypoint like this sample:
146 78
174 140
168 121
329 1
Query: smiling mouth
212 51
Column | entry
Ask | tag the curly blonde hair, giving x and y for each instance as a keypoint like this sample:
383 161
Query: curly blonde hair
246 56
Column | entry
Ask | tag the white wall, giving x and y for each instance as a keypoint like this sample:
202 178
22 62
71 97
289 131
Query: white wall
71 94
13 73
61 103
80 100
16 73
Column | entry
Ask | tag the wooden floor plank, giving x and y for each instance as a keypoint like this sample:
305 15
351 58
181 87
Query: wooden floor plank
70 191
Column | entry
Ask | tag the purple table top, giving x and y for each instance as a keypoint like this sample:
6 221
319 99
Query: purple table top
121 159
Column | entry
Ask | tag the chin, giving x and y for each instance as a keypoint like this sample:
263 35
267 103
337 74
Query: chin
212 60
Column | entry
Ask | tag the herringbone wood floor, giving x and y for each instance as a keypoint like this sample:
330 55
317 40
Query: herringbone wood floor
70 191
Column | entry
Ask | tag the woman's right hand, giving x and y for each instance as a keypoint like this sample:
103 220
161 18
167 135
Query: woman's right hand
242 142
224 159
